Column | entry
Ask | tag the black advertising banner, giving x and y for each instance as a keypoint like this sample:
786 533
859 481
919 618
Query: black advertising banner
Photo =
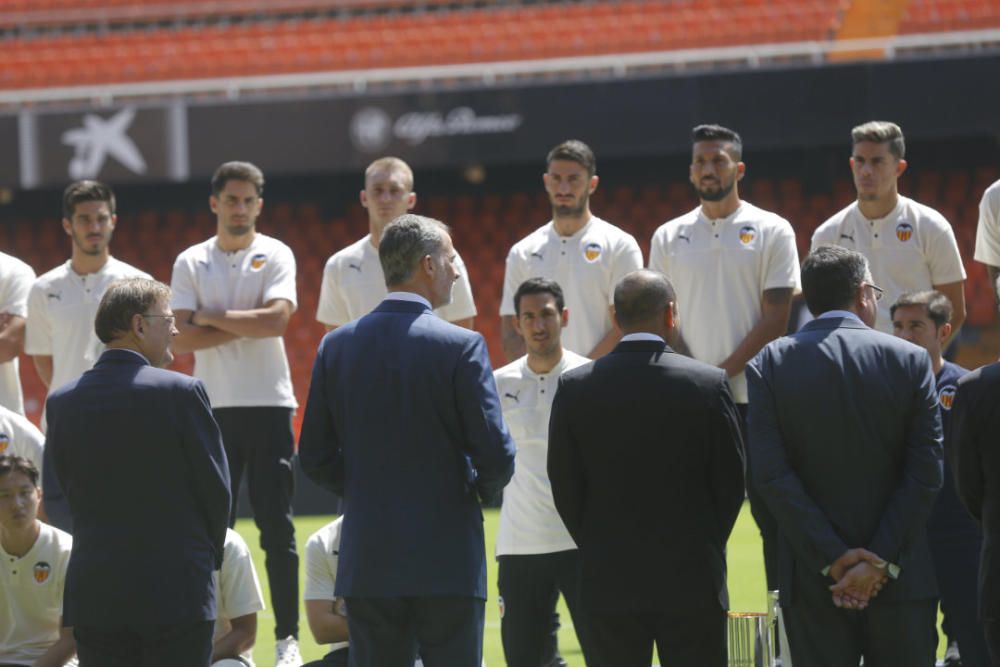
774 109
10 155
122 145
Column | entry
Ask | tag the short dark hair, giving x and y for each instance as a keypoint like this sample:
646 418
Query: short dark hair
574 150
237 171
539 286
881 132
719 133
938 306
642 296
405 241
81 191
125 299
11 463
831 276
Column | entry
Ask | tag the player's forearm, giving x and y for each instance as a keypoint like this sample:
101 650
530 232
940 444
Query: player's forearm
60 652
773 323
256 323
191 338
327 625
240 638
11 337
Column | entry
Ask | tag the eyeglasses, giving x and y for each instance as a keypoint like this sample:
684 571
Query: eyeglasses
879 292
169 318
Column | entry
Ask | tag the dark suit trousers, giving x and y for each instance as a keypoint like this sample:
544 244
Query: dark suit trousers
695 637
188 644
385 632
887 635
260 441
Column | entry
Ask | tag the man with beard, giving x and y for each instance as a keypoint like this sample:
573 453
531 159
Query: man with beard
910 247
578 250
233 295
353 282
62 304
735 268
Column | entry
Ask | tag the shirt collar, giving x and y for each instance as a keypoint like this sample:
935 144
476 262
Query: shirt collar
839 313
627 338
408 296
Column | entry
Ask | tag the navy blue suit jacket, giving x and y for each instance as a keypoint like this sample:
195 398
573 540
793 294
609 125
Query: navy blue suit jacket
140 459
403 421
845 449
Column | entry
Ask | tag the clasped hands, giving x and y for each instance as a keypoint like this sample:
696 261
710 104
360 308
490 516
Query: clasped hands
860 575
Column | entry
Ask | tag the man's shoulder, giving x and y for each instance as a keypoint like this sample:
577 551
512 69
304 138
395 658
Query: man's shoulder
326 538
992 194
119 269
52 277
611 232
982 378
350 253
55 539
512 371
19 424
923 215
668 230
234 547
13 268
768 220
830 225
528 243
269 244
201 251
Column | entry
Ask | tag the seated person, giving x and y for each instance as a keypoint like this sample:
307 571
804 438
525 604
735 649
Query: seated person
238 598
34 557
326 613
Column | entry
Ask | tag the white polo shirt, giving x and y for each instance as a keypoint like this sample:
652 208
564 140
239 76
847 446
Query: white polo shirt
720 270
19 437
246 372
31 597
16 278
322 554
62 306
354 283
587 266
988 229
529 522
237 589
913 248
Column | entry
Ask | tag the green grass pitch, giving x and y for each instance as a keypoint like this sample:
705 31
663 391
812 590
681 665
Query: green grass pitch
746 590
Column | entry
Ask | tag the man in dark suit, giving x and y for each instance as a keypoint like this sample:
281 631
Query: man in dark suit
845 441
647 474
975 458
140 458
403 421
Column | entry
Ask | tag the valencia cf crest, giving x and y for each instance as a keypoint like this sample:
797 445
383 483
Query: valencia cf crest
747 234
946 397
592 252
4 442
258 261
904 231
42 571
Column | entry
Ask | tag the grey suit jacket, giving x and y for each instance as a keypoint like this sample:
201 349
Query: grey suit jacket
845 449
